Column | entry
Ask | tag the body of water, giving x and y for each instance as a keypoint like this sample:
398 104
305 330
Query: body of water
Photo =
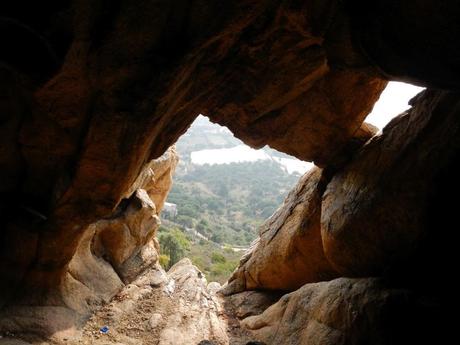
243 153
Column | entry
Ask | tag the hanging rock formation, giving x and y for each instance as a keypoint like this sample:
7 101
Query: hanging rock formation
127 82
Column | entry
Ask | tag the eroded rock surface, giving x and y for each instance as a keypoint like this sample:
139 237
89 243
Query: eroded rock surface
92 91
377 211
120 94
345 312
289 252
112 253
174 308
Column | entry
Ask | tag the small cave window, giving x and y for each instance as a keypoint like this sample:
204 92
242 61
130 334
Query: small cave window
393 101
223 190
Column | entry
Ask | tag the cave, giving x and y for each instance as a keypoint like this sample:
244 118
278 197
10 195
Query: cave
95 93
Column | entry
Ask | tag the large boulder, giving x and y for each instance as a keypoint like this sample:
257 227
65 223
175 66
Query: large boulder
347 312
289 251
377 213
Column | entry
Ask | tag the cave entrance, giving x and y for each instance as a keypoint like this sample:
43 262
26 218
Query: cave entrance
393 101
223 190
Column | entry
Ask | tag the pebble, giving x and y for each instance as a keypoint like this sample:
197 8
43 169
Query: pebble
155 320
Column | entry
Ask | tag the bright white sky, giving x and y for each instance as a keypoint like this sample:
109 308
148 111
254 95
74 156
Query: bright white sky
392 102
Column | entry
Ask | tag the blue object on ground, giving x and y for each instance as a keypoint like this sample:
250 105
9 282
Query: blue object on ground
104 330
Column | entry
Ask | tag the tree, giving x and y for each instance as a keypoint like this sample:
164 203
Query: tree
217 257
217 237
222 191
186 221
173 244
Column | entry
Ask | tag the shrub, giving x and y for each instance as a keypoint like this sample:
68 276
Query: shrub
217 258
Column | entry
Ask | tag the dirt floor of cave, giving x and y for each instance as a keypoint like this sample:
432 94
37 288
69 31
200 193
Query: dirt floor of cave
158 308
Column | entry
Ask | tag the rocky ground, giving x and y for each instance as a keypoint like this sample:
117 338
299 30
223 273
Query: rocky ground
158 308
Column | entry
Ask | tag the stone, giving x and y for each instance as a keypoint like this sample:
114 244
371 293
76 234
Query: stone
376 212
289 252
249 303
110 254
92 91
155 320
345 311
95 121
154 277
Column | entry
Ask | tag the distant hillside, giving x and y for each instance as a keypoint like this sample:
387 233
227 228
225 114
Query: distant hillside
228 202
225 203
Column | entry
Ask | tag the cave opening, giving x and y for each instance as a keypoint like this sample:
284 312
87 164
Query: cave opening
223 190
94 93
393 101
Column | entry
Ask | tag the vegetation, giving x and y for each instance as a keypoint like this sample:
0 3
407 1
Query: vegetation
174 244
219 207
216 262
226 203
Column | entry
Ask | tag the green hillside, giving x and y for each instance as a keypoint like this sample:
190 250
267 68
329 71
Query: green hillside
219 207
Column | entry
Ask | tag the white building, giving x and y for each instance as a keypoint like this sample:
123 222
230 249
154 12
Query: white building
170 210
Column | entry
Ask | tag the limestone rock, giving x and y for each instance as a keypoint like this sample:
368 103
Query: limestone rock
376 211
289 252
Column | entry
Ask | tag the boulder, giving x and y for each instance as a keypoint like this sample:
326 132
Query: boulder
346 312
377 212
289 251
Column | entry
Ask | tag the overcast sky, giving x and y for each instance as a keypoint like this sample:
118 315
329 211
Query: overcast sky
393 101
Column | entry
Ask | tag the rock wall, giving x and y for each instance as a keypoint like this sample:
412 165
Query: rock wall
111 254
121 92
394 180
381 215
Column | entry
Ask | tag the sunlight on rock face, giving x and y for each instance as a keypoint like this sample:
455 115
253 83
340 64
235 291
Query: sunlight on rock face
392 102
